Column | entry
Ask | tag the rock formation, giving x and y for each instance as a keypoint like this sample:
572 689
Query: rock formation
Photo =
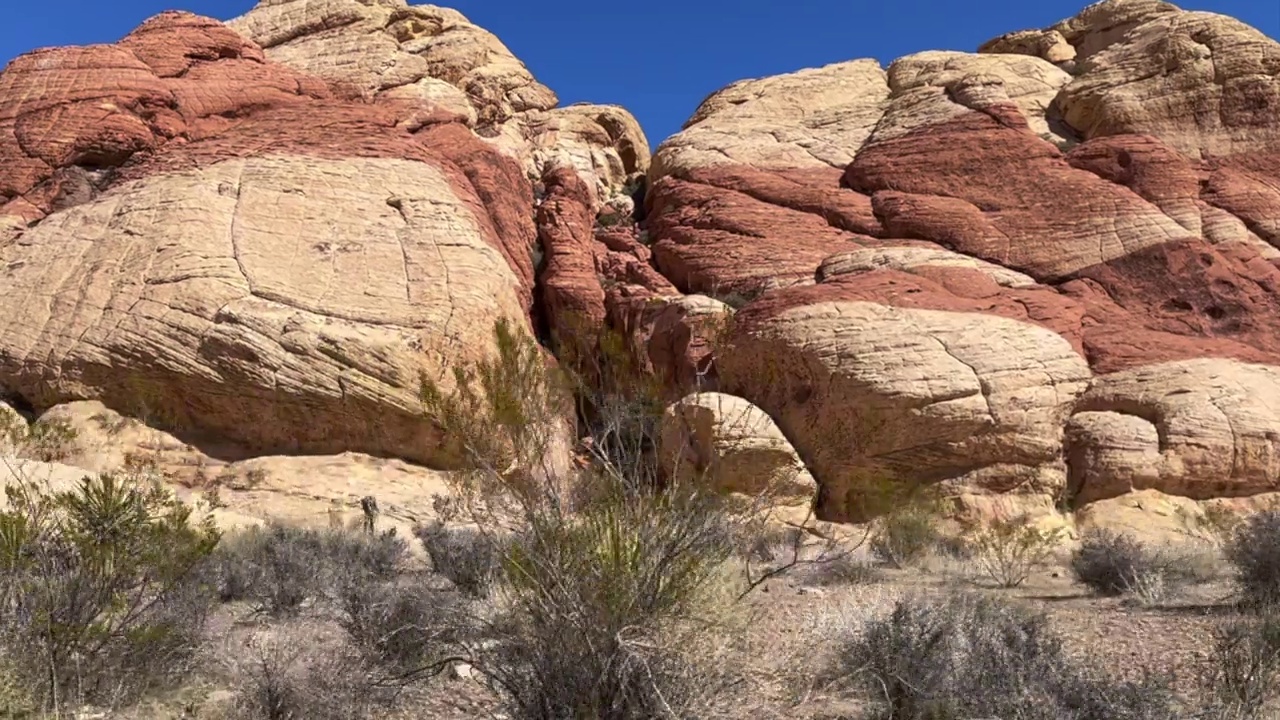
1048 269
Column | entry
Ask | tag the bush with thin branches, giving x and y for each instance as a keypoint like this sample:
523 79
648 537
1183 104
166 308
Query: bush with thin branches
288 673
1254 552
1114 563
611 571
968 656
279 568
101 592
1009 548
470 558
907 534
1243 672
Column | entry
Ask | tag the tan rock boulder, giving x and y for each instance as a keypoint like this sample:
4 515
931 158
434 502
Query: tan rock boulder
1216 78
432 63
283 301
815 118
873 394
1197 428
921 82
735 447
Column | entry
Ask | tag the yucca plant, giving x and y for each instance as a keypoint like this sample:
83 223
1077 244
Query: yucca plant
101 584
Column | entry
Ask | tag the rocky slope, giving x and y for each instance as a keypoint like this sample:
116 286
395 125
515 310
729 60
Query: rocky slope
1047 270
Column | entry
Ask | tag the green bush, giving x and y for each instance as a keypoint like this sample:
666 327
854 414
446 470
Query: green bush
279 568
967 656
1254 551
612 574
101 590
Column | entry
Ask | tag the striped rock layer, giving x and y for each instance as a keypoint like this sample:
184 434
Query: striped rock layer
1050 268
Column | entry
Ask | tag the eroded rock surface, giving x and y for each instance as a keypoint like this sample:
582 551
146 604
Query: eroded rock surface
256 260
734 447
432 62
1046 267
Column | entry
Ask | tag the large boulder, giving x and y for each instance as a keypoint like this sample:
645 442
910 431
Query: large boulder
271 266
432 62
733 447
1047 268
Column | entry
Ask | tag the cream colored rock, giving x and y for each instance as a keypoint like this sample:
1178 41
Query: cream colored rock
286 303
1105 23
11 228
937 85
1198 81
812 118
906 258
59 477
376 45
735 446
433 61
315 490
427 98
1047 45
604 143
1197 428
871 394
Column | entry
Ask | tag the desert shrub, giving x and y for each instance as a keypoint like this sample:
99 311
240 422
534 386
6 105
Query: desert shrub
469 558
399 626
293 674
1243 672
100 586
846 569
612 573
44 440
966 656
906 535
279 568
1113 563
599 605
1008 549
1254 553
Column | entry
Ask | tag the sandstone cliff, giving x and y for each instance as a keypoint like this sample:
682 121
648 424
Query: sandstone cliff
1049 269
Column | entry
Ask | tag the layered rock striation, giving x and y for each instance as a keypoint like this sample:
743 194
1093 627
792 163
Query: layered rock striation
1047 269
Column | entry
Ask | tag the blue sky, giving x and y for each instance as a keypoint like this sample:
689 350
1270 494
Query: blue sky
659 58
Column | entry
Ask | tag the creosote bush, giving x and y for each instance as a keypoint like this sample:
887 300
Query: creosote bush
1010 548
279 568
611 572
966 656
101 593
1254 552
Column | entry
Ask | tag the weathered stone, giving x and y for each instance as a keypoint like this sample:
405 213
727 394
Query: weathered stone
734 447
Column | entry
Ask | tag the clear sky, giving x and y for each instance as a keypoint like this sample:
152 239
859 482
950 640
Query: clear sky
659 58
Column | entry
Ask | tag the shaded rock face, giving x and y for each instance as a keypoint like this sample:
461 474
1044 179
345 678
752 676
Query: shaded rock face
1047 268
1050 268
